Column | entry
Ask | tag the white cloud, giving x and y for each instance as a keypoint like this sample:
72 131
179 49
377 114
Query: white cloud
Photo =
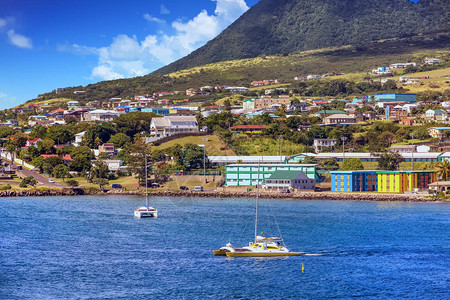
19 40
7 101
78 49
2 22
128 57
154 19
163 10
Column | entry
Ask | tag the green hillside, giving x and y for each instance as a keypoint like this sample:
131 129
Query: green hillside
285 26
346 59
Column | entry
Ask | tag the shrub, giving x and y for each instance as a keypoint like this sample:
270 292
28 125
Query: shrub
5 187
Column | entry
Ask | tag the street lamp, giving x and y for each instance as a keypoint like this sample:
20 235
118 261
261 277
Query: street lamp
343 139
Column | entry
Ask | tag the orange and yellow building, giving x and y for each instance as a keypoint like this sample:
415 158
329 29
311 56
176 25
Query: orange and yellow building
404 181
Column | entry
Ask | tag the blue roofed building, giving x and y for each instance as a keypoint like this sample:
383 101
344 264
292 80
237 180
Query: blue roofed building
157 110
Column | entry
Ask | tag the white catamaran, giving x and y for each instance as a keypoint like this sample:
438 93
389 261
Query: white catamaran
146 211
261 246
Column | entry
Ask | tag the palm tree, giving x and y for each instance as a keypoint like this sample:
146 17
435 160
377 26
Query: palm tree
443 168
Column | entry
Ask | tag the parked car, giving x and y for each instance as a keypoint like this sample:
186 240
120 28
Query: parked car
198 189
116 186
51 181
184 188
285 191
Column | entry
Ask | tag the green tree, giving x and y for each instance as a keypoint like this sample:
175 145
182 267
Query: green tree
102 182
82 150
310 160
72 183
28 181
61 134
330 164
46 146
97 134
389 161
100 169
38 162
133 123
352 164
60 171
81 163
39 131
6 132
50 163
443 169
119 140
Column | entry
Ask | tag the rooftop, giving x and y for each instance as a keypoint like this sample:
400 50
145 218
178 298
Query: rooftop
281 174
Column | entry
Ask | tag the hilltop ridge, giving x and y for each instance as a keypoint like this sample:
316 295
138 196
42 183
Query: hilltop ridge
285 26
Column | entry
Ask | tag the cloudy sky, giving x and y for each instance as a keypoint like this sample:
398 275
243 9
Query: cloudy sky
48 44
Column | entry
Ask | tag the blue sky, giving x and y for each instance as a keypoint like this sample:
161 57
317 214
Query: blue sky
48 44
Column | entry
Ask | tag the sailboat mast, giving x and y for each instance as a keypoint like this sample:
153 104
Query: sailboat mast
256 208
146 181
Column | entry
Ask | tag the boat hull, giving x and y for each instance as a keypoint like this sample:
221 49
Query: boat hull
261 254
220 252
145 214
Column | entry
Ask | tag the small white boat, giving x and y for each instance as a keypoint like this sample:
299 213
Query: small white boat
146 211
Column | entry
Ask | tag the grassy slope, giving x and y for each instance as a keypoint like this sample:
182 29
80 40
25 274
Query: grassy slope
352 60
213 146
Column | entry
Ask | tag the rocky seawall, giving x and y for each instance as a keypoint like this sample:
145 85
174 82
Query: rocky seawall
224 194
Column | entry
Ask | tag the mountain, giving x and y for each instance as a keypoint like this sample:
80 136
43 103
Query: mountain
285 26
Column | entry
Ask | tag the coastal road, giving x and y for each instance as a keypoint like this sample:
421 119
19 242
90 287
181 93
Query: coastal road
39 178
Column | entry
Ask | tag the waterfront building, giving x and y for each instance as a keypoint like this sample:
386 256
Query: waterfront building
247 174
282 180
353 181
404 181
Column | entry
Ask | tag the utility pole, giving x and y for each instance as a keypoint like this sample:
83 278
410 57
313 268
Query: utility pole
343 139
412 152
204 159
281 148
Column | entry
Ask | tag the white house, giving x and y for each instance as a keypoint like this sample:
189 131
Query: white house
79 137
431 61
100 115
170 125
33 143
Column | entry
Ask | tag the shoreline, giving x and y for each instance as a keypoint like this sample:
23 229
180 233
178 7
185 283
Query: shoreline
222 194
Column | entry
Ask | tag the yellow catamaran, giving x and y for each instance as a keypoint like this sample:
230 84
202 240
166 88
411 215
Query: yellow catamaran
261 246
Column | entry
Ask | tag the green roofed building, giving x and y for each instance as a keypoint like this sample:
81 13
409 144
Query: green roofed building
281 180
247 174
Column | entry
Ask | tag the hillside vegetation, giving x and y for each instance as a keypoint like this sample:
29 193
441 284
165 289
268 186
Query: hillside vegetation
285 26
355 61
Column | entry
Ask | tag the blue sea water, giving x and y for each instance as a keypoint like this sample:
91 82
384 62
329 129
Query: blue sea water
91 247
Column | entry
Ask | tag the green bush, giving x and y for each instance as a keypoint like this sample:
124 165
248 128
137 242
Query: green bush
5 187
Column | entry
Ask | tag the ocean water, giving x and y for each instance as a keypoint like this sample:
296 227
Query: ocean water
91 247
